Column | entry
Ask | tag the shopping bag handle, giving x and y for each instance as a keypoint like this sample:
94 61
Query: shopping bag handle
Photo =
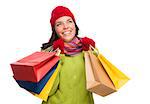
58 51
94 49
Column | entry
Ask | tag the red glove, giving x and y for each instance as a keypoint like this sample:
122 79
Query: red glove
86 42
59 44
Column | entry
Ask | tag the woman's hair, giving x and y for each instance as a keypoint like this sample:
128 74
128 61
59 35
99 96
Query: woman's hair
55 37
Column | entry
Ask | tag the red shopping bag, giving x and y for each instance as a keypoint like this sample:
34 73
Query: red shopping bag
34 67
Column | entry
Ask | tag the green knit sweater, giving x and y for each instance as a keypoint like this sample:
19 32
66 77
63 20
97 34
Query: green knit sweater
70 83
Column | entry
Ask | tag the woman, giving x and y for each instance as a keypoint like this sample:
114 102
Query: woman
70 83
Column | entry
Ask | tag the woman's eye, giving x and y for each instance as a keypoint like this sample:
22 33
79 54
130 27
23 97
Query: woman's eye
58 24
70 21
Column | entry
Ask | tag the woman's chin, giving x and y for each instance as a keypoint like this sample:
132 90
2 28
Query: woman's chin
68 40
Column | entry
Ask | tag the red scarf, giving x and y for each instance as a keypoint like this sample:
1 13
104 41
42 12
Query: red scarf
73 47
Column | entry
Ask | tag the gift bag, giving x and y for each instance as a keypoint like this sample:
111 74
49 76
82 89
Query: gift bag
97 79
118 78
34 67
37 87
47 88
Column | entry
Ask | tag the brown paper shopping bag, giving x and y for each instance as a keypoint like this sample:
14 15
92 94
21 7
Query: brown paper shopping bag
97 79
117 76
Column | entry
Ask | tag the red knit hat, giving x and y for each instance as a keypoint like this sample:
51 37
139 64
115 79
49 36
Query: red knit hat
58 12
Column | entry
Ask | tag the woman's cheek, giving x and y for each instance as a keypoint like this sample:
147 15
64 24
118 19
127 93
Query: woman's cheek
59 32
61 36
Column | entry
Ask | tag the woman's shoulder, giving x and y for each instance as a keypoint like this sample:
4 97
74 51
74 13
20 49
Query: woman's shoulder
85 37
86 40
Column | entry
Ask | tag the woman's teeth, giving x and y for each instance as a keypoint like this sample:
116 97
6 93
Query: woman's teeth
65 33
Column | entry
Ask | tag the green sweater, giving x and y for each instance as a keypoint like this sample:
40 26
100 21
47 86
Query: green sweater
70 83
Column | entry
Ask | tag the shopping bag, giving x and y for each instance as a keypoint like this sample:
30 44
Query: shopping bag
118 78
47 88
34 67
96 78
37 87
90 79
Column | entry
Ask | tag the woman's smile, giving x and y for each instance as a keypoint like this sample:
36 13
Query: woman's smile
66 33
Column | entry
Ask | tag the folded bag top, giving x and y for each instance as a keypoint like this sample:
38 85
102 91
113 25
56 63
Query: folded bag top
35 66
37 57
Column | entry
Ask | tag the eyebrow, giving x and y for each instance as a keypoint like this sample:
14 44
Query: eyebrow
69 19
61 21
58 22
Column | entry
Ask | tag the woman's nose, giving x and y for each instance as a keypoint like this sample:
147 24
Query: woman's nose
65 25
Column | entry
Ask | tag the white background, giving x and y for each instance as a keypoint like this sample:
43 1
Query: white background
121 29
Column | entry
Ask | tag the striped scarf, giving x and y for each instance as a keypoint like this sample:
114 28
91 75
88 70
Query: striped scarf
73 47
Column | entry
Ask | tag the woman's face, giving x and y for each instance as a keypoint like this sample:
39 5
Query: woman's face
65 28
